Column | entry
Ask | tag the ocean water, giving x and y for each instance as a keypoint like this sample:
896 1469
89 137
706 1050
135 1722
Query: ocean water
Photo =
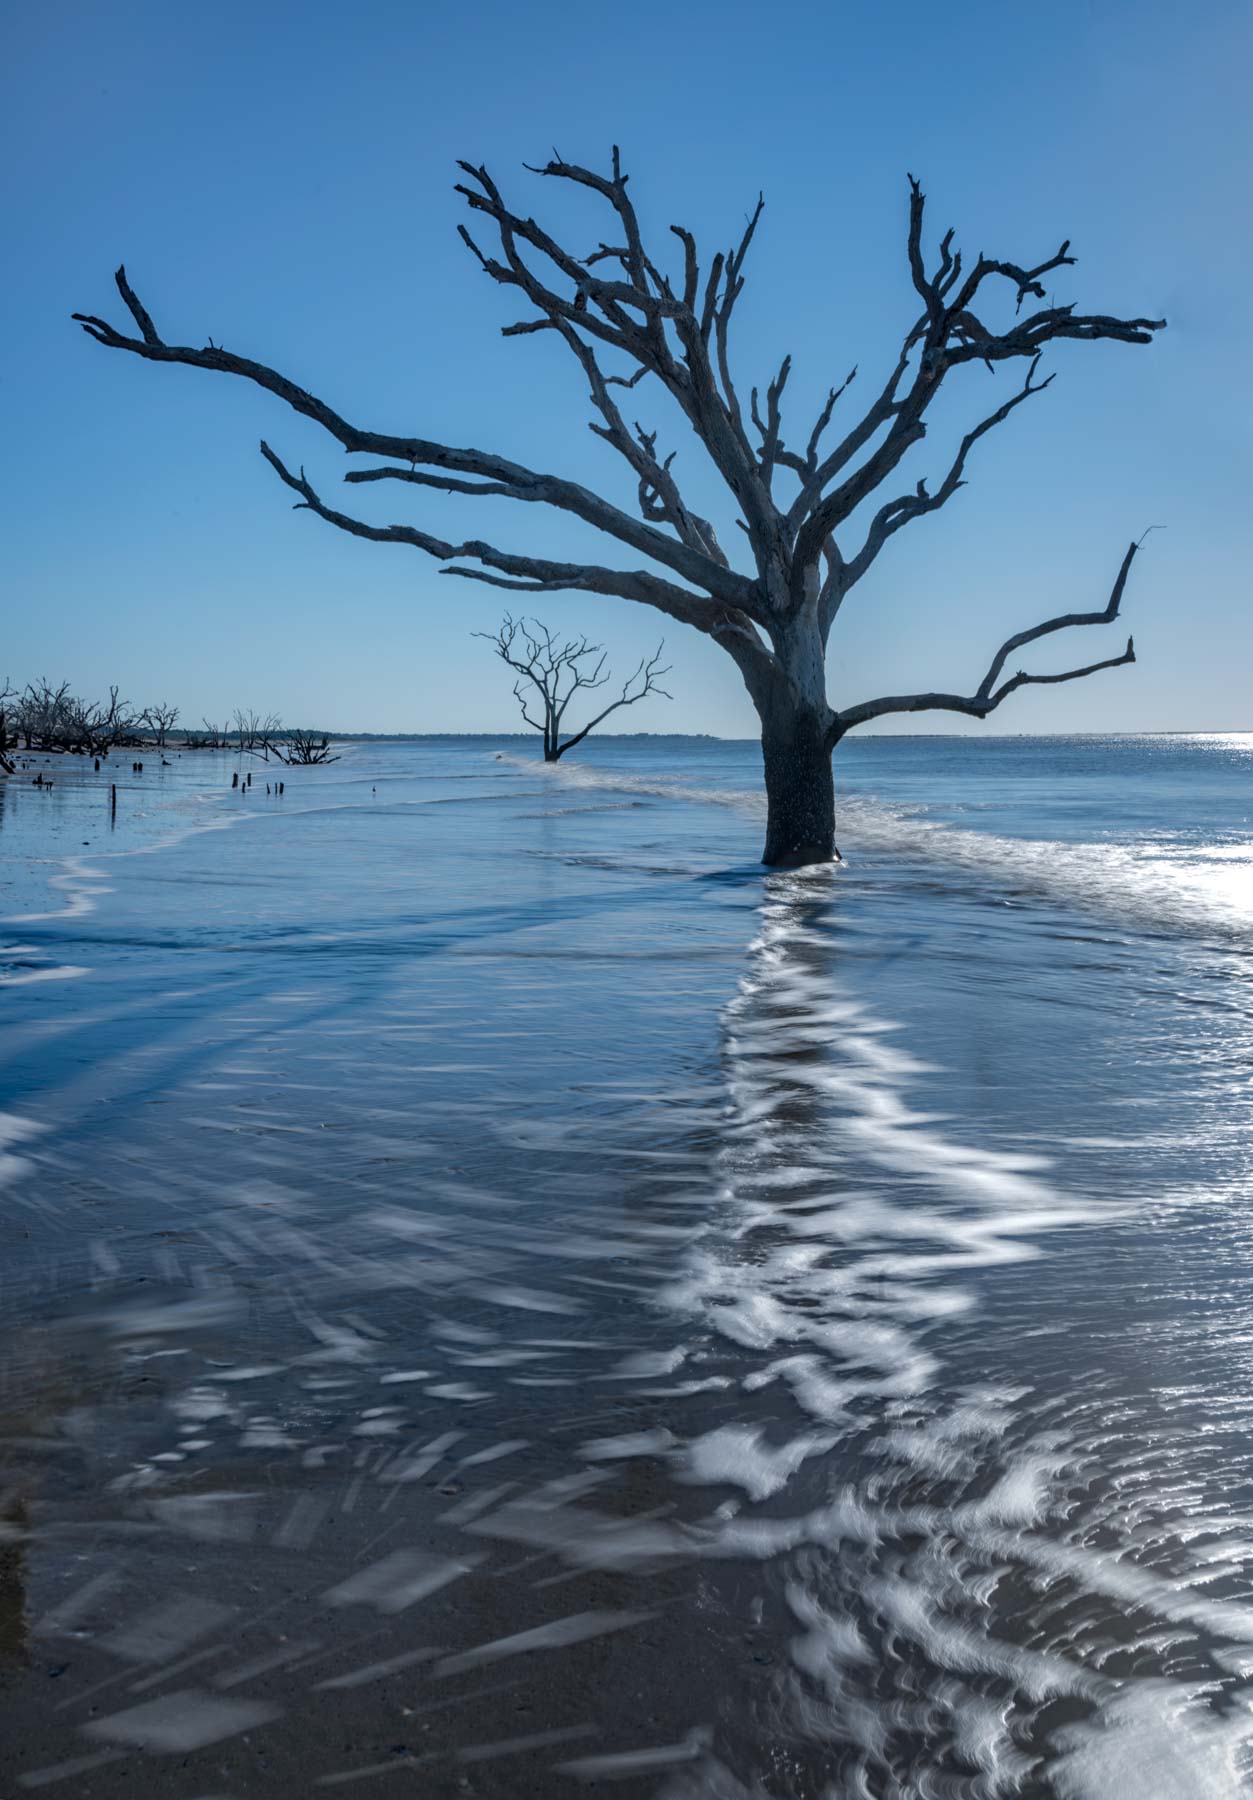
501 1295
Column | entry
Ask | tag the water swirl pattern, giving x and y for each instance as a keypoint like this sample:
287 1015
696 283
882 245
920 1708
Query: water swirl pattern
501 1296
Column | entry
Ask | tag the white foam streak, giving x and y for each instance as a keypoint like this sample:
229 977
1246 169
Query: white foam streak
852 1223
1195 890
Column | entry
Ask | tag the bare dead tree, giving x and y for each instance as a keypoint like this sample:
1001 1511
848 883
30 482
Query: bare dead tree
161 720
620 309
107 725
85 726
41 713
550 673
55 719
255 733
305 748
7 692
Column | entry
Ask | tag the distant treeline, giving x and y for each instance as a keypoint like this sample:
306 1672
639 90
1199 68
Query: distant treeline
523 737
44 716
47 716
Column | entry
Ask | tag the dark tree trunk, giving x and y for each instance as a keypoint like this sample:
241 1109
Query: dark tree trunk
800 788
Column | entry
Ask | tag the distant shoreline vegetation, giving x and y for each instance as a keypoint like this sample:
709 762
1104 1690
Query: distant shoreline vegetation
522 737
712 737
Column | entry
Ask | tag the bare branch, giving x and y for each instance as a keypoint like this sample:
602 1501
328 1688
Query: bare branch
988 695
896 513
647 676
636 317
693 564
949 333
530 573
810 465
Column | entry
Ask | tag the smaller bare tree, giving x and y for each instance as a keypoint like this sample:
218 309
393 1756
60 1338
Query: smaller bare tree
7 765
119 723
305 748
551 673
160 720
256 733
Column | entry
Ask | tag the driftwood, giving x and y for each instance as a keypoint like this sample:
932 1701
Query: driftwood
625 318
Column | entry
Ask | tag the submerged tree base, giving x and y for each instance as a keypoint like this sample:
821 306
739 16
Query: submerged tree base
800 787
802 856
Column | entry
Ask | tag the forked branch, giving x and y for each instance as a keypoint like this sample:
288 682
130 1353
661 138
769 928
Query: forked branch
645 680
988 695
501 568
949 332
896 513
493 474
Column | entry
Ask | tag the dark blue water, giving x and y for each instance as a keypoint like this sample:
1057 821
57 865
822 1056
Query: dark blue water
502 1296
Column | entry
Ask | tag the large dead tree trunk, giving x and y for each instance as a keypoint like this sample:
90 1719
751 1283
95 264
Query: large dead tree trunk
800 789
625 319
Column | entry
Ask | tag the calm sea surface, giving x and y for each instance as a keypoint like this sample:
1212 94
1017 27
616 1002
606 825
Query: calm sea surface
500 1296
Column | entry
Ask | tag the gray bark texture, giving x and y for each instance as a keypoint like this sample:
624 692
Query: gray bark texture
627 319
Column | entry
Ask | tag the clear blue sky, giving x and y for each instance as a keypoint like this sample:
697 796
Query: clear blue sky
278 177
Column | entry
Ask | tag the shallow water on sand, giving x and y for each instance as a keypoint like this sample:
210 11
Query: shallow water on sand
501 1297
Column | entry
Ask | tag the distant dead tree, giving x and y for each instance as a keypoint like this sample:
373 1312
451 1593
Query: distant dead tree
210 737
624 317
255 733
551 673
55 719
42 713
305 748
7 765
161 720
98 727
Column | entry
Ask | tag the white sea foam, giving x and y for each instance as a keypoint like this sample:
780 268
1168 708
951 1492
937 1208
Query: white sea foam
852 1219
1151 884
